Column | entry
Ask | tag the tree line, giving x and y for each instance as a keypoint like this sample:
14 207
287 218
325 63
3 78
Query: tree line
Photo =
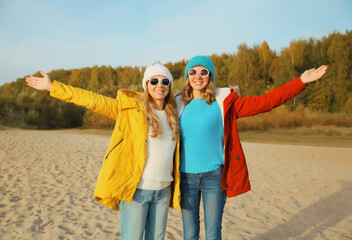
255 70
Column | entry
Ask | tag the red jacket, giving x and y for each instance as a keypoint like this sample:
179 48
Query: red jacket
235 176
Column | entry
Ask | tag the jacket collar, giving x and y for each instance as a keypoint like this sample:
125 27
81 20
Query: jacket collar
180 104
229 100
220 96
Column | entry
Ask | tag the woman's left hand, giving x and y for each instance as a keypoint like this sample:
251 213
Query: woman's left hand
313 74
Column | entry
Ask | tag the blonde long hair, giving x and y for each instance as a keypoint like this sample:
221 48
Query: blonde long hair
209 92
171 114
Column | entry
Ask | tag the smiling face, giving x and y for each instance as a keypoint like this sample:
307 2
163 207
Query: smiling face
158 92
198 82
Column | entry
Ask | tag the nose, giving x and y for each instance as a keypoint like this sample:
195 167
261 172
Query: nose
159 84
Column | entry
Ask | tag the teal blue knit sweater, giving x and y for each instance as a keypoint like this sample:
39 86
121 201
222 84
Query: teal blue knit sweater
202 137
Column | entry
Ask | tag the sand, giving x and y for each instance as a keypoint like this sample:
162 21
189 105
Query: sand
48 178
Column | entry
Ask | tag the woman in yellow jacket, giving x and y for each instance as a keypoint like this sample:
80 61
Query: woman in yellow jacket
140 172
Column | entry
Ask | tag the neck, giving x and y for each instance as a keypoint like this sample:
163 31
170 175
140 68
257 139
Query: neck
198 94
159 105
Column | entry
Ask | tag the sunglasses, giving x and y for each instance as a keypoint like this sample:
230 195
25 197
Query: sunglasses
203 72
155 81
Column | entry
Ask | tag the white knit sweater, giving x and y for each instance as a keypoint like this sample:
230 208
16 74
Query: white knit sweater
157 173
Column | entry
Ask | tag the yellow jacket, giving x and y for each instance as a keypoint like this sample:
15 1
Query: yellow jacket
124 161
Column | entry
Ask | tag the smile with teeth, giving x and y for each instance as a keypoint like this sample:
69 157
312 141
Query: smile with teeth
159 91
198 82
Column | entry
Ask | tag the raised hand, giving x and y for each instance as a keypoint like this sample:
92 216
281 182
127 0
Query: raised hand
313 74
43 83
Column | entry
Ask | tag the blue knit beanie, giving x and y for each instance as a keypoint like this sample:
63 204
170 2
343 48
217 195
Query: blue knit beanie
201 61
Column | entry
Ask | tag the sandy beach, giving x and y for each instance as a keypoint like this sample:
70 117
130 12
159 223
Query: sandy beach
48 178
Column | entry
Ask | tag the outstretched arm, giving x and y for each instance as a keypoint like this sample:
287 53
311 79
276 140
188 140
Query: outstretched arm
98 103
249 106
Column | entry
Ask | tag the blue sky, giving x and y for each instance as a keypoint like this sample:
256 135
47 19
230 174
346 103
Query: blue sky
46 35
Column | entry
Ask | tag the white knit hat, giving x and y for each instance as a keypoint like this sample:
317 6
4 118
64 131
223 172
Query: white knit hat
154 70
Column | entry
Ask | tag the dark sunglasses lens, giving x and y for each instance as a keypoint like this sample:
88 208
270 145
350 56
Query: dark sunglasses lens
192 72
165 82
204 72
154 81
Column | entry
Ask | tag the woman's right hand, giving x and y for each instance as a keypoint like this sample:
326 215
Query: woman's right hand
43 83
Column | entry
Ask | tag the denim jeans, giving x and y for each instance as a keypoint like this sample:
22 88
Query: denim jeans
146 214
208 186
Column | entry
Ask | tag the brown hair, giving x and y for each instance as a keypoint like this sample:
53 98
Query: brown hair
209 92
170 110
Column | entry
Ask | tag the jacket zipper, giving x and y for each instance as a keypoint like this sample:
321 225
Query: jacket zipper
113 148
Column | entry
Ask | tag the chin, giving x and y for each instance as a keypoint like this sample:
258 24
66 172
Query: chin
159 97
198 87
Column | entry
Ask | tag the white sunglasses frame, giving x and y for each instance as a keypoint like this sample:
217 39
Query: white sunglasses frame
160 80
198 73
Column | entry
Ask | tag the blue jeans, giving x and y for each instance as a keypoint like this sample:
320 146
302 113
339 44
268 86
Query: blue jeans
146 214
208 186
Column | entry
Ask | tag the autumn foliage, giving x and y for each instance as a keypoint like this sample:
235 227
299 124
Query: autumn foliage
255 70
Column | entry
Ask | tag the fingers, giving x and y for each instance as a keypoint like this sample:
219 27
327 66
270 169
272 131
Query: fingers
321 70
313 74
32 83
38 78
31 80
323 67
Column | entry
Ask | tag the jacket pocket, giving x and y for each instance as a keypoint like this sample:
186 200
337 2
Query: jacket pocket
107 155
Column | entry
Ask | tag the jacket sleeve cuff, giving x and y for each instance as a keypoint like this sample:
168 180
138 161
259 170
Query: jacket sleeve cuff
300 84
57 90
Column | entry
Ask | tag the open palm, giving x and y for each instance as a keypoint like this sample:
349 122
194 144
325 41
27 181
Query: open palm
39 83
313 74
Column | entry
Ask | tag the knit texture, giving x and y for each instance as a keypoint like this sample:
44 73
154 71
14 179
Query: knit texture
202 137
154 70
157 173
201 61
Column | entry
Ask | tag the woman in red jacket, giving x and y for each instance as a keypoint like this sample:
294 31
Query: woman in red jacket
212 162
